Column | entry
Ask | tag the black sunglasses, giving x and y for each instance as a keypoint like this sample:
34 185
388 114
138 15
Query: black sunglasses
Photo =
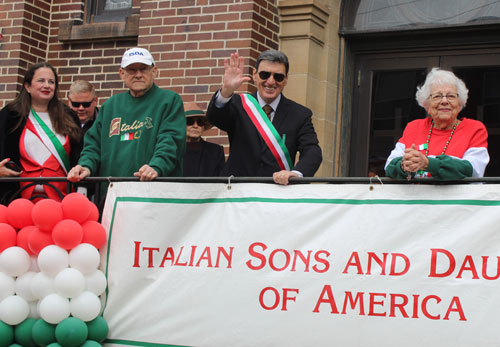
190 121
78 104
278 77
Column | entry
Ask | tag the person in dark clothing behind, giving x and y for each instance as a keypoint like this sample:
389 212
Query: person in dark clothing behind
82 99
202 158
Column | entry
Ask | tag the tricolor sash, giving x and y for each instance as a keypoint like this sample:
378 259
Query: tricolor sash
50 140
267 130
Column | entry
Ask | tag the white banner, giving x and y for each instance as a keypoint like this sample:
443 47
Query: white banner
302 265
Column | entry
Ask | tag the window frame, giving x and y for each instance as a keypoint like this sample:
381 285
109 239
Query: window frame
477 49
97 14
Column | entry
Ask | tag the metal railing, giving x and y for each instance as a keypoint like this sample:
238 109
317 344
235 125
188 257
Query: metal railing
97 181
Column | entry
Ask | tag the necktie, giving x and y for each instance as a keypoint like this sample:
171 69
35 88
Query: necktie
268 109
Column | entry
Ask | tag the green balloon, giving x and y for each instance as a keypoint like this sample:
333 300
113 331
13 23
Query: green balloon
98 329
71 332
6 334
54 344
15 345
44 333
91 343
22 332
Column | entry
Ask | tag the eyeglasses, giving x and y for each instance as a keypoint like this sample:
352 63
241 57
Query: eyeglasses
78 104
142 70
200 121
451 97
278 77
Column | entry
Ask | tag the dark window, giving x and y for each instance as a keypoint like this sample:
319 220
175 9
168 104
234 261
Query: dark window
99 11
393 106
484 104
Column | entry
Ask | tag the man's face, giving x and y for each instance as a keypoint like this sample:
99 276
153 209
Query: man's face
138 78
269 88
194 128
83 104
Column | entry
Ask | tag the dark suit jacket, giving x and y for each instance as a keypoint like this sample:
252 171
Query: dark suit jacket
90 122
249 156
9 144
203 159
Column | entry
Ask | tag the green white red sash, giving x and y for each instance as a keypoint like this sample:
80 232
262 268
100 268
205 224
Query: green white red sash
50 140
267 131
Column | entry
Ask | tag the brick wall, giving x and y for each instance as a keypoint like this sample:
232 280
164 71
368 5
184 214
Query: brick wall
96 61
189 40
25 27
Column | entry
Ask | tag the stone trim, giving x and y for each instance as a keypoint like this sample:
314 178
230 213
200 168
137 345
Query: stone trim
75 31
303 19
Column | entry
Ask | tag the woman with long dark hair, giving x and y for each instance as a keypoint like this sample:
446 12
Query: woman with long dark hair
40 136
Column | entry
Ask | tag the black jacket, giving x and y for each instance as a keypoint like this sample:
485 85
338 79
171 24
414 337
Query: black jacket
203 159
249 156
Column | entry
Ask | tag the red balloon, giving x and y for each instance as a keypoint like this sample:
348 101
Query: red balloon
94 213
76 206
94 234
3 214
23 238
19 213
38 240
67 234
46 214
7 236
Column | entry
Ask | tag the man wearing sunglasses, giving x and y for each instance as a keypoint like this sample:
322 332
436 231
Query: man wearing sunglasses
202 158
265 129
83 100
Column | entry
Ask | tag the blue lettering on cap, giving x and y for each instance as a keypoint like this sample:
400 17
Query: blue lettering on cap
135 53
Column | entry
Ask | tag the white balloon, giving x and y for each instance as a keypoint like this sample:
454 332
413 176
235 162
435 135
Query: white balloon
53 259
85 258
69 283
34 309
54 308
14 261
95 282
86 306
13 310
23 286
34 264
7 285
42 285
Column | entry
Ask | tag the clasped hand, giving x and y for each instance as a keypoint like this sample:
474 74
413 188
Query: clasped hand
413 160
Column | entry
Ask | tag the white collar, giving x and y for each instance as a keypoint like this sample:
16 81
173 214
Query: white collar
273 104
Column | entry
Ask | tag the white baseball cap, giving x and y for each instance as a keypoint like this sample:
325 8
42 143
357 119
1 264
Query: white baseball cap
137 55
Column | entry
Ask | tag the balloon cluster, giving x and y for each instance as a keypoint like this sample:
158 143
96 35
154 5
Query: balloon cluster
50 284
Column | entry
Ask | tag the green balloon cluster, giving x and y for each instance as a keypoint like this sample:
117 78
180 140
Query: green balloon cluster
23 332
6 335
71 332
44 333
98 329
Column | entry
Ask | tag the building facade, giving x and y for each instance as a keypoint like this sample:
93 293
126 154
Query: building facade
355 63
